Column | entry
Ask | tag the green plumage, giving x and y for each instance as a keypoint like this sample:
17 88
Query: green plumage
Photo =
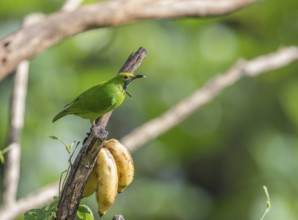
99 99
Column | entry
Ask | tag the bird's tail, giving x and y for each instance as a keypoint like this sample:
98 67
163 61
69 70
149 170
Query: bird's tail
59 115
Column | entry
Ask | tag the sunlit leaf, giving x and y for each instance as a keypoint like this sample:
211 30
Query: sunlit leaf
45 213
1 157
85 213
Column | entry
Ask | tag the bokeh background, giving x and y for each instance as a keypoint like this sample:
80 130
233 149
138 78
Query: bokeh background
213 165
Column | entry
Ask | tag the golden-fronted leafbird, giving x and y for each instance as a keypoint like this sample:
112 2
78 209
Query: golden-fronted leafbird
99 99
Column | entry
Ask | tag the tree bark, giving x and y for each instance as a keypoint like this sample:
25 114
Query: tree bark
84 162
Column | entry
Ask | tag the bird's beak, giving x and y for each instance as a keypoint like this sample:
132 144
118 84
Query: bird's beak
131 79
137 76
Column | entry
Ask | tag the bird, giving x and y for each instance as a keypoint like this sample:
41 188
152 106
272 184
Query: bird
100 99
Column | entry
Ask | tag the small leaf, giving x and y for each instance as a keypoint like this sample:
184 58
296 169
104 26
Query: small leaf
2 152
54 137
68 147
1 157
45 213
85 213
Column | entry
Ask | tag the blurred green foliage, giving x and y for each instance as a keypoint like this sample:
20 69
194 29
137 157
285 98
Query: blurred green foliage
211 166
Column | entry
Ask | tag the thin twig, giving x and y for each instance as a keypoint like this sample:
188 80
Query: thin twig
203 95
29 41
268 203
17 112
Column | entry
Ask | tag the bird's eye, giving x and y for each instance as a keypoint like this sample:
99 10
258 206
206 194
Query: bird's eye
125 77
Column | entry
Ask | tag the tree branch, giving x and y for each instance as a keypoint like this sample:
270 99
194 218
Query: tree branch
209 91
84 162
12 161
17 111
29 41
34 200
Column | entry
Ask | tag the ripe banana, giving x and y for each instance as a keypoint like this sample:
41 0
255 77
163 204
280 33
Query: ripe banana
107 180
91 184
124 162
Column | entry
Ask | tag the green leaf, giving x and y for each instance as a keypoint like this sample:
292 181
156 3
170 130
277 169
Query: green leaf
68 147
1 157
85 213
54 137
45 213
2 152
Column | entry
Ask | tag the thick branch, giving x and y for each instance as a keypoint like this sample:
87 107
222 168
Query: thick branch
29 41
186 107
73 188
80 170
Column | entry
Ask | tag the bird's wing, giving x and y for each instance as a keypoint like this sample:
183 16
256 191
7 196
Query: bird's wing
95 99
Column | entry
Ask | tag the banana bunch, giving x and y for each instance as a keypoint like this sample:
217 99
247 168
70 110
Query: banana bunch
112 173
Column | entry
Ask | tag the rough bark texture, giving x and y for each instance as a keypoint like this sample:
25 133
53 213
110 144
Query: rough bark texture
84 162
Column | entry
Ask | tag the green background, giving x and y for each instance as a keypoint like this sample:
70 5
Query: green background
211 166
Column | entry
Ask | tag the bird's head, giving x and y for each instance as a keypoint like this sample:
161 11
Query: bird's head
127 78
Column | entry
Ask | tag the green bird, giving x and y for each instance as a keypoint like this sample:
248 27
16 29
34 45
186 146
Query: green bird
99 99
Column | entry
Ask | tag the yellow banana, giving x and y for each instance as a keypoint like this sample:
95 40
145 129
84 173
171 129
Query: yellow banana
124 162
91 184
107 180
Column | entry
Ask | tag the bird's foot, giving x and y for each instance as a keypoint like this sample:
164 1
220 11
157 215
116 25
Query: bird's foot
87 133
100 132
